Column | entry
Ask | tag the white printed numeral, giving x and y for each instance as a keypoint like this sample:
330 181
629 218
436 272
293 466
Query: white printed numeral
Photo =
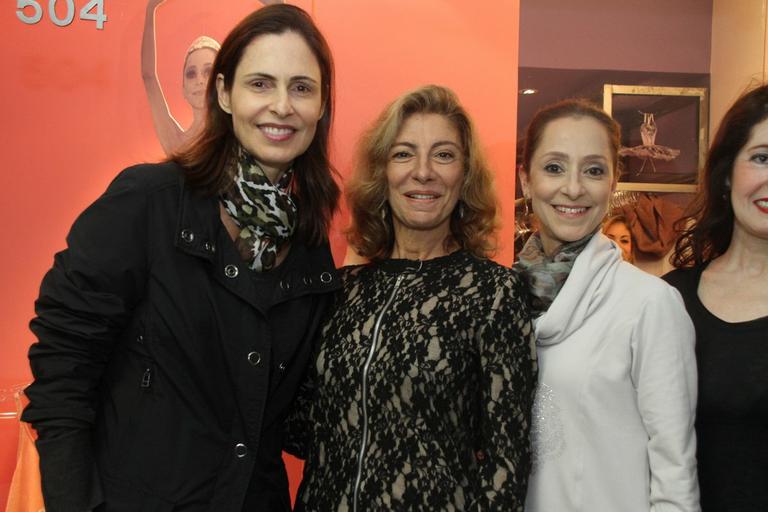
31 20
91 11
99 17
61 22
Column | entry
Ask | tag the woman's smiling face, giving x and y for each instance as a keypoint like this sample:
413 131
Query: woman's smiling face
425 173
275 99
749 185
571 179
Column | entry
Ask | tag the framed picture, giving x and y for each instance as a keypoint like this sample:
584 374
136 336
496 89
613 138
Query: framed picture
664 135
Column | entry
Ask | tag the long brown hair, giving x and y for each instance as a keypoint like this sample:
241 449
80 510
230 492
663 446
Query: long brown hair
206 158
473 224
707 227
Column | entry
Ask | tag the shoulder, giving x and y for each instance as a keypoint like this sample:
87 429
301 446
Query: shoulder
658 306
491 270
642 284
148 177
352 272
352 277
496 281
684 279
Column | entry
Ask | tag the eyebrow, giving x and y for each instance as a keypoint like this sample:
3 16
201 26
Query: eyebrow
258 74
411 145
566 156
446 143
757 146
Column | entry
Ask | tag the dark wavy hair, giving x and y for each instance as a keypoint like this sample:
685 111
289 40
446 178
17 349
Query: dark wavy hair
706 228
206 158
570 108
370 233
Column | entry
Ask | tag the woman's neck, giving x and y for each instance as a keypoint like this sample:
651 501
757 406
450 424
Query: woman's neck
746 254
732 286
273 173
421 245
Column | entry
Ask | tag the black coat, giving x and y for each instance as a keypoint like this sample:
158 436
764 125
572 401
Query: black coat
164 367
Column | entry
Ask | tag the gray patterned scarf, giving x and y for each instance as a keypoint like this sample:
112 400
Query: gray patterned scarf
546 275
265 212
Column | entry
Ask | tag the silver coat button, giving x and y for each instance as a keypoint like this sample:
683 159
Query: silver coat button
326 277
241 450
187 235
231 271
285 285
254 358
282 365
209 247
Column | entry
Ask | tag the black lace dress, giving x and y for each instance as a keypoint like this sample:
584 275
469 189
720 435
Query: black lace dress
421 394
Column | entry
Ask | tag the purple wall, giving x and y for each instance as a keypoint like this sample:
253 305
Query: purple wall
637 35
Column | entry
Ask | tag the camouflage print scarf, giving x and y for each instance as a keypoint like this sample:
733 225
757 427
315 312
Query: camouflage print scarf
265 212
546 275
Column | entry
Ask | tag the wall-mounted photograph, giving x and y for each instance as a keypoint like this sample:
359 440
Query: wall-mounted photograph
664 135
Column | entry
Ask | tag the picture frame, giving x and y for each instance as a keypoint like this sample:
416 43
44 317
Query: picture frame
665 154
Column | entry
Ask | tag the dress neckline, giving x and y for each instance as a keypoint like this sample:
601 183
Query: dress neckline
746 324
401 265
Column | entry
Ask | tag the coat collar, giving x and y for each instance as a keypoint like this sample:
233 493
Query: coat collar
197 223
200 233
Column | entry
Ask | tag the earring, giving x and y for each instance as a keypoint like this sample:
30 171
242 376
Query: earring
526 211
384 208
461 210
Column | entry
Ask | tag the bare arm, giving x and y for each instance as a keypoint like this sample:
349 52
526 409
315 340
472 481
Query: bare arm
168 130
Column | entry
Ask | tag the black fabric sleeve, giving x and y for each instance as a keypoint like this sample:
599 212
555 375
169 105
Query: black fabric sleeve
85 302
508 364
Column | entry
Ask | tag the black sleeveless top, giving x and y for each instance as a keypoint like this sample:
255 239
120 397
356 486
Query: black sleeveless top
732 414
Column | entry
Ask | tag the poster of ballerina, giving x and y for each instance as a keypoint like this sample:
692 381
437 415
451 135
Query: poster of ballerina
664 134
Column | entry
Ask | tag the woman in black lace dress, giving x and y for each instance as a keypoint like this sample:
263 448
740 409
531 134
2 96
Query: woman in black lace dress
421 393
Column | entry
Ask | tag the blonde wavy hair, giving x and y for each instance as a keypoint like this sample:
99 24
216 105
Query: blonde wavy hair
473 222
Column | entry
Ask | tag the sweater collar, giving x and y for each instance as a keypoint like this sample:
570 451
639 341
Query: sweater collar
583 292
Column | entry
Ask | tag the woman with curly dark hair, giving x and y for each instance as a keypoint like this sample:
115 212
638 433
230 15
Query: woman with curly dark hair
421 393
722 272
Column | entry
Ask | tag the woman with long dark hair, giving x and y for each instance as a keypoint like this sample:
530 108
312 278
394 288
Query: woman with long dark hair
722 273
174 329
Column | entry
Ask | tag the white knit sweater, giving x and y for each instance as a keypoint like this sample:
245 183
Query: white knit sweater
614 415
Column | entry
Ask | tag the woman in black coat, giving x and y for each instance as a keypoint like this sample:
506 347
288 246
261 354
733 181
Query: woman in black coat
174 329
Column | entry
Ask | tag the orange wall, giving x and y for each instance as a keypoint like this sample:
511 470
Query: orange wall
76 113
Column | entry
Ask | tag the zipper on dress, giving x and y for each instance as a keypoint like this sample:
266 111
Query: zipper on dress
366 367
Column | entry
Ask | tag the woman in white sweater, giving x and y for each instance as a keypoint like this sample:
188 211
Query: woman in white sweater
613 420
